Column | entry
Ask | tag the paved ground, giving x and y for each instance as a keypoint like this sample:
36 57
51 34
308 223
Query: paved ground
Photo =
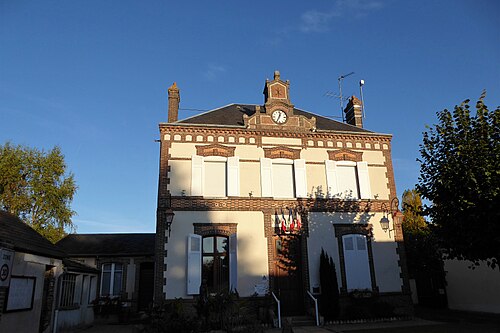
427 321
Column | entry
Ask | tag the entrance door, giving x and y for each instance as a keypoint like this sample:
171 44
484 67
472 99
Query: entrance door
146 284
288 274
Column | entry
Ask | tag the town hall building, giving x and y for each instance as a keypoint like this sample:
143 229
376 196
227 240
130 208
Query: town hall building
250 194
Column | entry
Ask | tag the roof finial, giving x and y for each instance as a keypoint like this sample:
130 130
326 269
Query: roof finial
276 75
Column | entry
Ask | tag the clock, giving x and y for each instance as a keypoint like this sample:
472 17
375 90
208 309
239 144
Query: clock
279 116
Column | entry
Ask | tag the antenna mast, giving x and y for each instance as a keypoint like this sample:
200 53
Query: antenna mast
361 83
342 77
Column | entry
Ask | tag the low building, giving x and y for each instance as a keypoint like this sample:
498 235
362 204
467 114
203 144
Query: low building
258 191
125 263
485 294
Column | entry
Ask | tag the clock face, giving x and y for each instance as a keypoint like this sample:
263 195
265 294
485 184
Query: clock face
279 116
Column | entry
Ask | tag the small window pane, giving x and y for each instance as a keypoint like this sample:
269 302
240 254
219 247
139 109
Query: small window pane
208 245
106 268
348 244
360 240
118 267
222 244
117 283
106 279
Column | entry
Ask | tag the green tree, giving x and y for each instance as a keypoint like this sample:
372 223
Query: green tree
422 251
460 176
34 185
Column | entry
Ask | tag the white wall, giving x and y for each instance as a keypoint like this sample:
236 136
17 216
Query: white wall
472 290
385 257
252 249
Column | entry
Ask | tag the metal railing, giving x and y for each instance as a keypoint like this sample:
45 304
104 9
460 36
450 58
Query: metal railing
279 309
315 307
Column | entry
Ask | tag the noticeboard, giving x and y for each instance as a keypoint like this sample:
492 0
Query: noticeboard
6 260
21 293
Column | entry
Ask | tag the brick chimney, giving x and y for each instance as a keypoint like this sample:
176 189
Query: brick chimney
354 112
174 99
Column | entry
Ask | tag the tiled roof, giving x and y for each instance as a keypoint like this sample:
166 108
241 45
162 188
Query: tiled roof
26 239
75 266
115 245
232 115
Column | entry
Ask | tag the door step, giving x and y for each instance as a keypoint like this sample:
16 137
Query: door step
298 321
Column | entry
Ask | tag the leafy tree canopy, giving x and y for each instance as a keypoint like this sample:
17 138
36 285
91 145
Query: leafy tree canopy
34 186
460 176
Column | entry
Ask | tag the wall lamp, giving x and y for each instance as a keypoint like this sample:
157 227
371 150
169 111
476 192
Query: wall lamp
168 214
394 209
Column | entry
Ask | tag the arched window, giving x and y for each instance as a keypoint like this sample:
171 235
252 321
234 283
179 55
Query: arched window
215 269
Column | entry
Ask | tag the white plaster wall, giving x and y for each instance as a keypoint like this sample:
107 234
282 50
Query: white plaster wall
249 152
250 179
472 290
178 149
180 177
373 157
251 251
315 154
379 182
385 257
316 180
266 140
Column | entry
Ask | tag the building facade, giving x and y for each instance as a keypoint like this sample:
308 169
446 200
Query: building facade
258 191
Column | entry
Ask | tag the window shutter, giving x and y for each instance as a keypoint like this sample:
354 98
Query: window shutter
331 179
197 176
364 180
233 263
266 178
300 178
233 176
194 264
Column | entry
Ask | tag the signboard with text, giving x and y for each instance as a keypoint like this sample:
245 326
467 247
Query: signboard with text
6 260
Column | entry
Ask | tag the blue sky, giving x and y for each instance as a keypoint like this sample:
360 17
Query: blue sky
92 76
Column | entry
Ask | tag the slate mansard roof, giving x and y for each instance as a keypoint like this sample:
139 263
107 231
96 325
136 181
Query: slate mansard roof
114 245
232 115
26 239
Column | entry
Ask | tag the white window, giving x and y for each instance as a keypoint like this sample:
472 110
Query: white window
357 267
215 176
283 178
68 288
111 279
348 180
212 258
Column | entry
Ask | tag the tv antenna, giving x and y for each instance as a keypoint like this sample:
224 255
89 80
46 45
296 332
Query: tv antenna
340 79
361 84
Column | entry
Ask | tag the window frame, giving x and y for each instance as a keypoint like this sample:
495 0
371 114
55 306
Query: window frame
298 178
112 272
362 179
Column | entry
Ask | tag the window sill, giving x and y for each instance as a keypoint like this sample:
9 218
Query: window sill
69 307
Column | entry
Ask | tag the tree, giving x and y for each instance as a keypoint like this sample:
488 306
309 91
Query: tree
460 176
329 300
34 186
422 252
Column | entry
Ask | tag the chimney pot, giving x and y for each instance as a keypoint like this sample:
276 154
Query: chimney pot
173 103
354 112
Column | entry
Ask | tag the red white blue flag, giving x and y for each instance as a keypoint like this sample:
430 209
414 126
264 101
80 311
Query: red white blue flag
283 221
298 222
290 219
